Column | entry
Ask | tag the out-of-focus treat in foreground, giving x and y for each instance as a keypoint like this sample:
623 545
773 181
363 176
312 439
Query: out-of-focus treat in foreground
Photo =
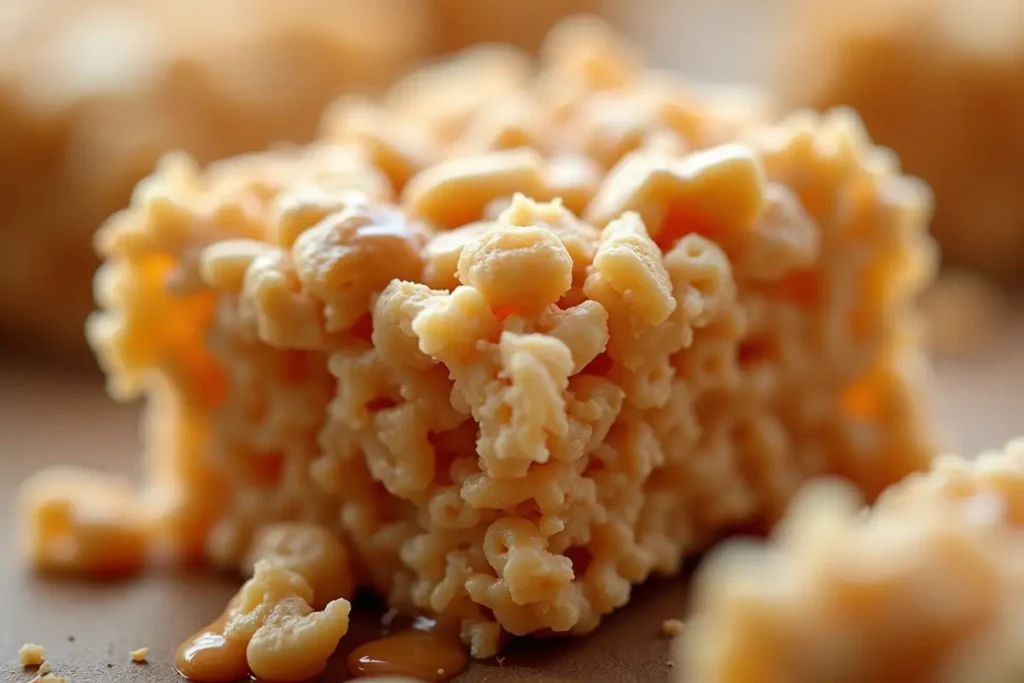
942 83
92 92
519 335
926 587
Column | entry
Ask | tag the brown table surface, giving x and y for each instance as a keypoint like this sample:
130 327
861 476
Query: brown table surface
88 629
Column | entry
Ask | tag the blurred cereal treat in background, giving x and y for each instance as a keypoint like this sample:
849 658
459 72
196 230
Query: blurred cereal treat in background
941 82
92 92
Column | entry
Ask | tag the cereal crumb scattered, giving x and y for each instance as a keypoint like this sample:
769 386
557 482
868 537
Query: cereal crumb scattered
44 668
139 656
31 654
672 627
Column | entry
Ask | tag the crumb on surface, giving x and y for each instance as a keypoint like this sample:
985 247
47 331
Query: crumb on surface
31 655
44 668
139 656
672 627
50 678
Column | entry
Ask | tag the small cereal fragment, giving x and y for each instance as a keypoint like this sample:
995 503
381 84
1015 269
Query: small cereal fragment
31 655
631 264
672 628
84 522
139 656
309 550
520 268
716 192
271 630
457 192
44 668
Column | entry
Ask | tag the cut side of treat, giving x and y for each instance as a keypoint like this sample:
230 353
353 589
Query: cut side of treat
523 353
926 586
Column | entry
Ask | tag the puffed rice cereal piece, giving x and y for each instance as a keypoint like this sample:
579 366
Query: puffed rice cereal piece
926 586
508 406
30 654
270 630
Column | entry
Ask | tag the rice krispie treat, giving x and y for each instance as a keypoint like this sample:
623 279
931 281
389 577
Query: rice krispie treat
942 83
926 587
93 92
521 335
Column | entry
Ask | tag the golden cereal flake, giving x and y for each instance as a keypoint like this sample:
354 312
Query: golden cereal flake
44 669
511 407
139 656
30 654
50 678
920 71
925 586
268 629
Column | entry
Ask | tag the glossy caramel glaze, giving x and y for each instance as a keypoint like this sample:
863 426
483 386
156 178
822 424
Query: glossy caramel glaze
424 655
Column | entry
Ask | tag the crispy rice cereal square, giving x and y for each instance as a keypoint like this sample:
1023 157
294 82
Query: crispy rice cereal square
519 351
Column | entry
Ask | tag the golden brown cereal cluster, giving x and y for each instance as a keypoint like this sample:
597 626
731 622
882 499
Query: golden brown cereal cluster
925 587
942 83
92 92
30 654
522 335
273 631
